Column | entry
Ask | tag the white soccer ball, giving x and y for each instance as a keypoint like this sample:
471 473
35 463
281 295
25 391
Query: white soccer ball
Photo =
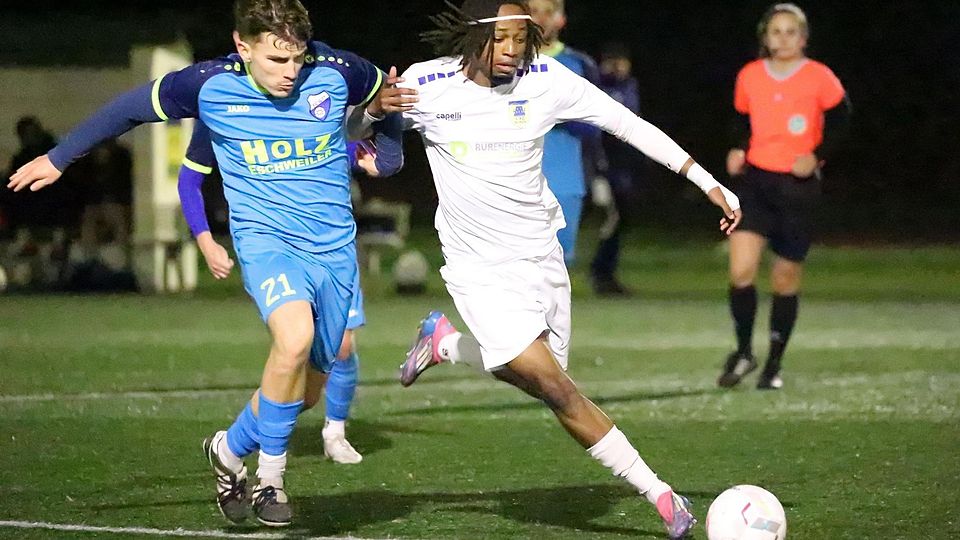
410 272
3 279
746 513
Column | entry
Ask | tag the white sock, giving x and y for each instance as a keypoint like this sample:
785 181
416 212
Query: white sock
616 453
449 347
227 457
334 428
270 469
459 348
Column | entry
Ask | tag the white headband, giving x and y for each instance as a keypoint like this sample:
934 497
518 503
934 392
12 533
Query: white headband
504 18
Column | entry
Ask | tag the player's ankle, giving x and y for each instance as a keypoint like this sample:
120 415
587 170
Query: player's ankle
333 428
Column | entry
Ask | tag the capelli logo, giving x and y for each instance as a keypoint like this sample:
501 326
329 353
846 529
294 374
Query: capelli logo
450 117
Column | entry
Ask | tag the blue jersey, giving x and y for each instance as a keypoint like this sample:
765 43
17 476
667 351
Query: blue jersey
283 160
563 147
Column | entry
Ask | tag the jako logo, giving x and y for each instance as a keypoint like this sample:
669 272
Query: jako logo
238 108
452 117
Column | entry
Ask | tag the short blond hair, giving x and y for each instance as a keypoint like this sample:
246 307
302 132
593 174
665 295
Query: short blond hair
557 5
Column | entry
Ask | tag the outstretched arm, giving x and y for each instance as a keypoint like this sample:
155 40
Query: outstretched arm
116 118
172 96
580 100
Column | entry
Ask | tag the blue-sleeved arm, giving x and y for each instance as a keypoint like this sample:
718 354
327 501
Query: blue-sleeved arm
197 164
363 78
388 137
175 95
124 113
386 144
189 182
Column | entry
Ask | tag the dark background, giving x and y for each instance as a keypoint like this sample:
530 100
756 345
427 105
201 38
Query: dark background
896 178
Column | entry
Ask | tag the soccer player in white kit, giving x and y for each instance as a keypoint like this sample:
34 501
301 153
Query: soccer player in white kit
482 110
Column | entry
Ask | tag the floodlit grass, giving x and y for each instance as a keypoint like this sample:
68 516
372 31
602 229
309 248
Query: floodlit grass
104 401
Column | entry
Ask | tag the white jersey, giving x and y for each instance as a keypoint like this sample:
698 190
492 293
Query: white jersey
485 147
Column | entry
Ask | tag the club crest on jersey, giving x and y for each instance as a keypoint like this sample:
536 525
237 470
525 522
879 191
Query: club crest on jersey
319 105
518 112
797 124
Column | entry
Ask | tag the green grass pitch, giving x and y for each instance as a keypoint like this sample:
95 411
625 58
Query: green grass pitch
104 401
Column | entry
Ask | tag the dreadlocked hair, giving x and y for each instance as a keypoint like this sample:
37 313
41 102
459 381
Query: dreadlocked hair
457 32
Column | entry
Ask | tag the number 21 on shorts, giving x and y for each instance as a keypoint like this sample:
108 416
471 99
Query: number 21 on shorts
271 284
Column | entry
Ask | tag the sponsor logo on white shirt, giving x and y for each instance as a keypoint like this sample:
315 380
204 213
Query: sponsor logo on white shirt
450 117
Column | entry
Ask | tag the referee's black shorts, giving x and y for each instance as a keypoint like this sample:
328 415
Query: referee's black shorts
779 206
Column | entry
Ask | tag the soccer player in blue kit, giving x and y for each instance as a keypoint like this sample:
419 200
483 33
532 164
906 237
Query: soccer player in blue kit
338 386
570 149
276 111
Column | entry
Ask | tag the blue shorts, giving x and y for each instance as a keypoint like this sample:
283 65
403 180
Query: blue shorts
274 273
356 318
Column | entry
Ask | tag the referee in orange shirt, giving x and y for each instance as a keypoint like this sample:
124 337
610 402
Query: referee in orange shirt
788 99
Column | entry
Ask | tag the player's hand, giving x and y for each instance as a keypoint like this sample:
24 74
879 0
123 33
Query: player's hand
736 161
367 158
806 165
393 99
37 174
730 205
215 255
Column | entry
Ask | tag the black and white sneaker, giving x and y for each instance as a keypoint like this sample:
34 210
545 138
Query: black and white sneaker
270 504
231 486
736 368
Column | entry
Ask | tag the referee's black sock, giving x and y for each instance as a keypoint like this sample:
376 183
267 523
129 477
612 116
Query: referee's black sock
783 315
743 308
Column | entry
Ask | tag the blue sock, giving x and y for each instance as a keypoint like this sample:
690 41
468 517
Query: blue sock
243 437
275 424
341 387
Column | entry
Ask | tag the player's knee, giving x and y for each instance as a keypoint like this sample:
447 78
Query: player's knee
559 393
293 345
785 278
742 276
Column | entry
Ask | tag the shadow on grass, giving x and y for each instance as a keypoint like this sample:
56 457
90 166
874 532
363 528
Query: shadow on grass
532 404
567 507
368 437
575 508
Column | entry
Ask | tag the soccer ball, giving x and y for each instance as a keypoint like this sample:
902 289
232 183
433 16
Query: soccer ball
410 272
746 513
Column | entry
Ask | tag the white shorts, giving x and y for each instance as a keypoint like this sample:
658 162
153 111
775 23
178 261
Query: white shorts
508 306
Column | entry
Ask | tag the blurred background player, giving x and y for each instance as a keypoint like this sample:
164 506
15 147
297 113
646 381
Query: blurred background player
497 219
783 96
287 183
33 219
621 169
569 149
107 198
339 386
